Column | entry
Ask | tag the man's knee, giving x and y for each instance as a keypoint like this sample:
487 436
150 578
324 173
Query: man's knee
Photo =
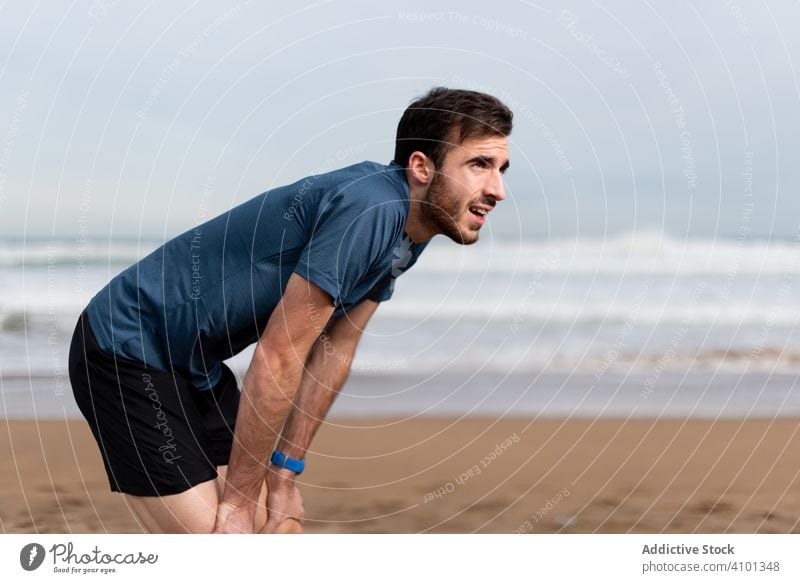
171 523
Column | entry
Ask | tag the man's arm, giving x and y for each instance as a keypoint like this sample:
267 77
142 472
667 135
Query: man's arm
268 390
326 371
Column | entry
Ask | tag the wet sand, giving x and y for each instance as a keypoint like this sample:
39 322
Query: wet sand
469 475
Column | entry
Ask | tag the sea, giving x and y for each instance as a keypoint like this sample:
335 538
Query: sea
634 325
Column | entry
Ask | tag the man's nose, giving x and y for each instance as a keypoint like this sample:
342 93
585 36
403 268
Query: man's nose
495 187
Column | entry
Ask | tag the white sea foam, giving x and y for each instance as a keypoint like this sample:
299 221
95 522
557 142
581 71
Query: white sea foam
617 304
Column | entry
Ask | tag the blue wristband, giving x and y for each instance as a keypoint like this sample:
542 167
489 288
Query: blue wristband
281 460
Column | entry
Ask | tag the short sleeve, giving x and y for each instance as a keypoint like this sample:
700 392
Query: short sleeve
383 290
351 232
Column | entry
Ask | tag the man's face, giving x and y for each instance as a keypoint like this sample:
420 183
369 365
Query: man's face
467 187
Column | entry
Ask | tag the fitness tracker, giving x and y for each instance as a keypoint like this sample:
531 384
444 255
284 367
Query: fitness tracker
281 460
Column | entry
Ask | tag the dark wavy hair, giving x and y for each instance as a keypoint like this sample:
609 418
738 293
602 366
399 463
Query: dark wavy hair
443 118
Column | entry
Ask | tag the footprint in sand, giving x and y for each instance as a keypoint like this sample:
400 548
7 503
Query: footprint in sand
491 505
714 507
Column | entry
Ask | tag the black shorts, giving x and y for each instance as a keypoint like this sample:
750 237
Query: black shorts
158 435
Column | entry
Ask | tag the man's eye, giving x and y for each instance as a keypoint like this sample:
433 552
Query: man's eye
479 163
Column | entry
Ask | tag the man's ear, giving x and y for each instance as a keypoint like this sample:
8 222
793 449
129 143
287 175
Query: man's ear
421 169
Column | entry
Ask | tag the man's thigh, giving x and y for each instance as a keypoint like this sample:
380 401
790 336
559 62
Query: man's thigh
192 511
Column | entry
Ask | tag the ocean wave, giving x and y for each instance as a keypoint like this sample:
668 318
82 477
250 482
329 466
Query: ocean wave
17 253
763 359
17 322
40 317
531 313
638 253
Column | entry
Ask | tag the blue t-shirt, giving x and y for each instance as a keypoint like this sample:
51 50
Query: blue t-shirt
207 294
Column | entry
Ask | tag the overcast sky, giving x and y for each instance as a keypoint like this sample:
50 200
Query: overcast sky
128 119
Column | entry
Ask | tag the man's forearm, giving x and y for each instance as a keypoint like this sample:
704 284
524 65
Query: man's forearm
264 405
326 371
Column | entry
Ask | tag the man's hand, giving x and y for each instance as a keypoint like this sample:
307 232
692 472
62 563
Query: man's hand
285 511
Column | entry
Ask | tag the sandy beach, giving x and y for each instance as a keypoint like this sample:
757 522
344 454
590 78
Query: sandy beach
468 475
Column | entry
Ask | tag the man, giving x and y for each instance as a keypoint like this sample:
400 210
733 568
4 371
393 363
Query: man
300 270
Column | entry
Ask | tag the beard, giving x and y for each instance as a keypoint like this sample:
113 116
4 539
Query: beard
445 210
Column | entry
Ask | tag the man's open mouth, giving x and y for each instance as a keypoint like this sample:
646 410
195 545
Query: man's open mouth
479 213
